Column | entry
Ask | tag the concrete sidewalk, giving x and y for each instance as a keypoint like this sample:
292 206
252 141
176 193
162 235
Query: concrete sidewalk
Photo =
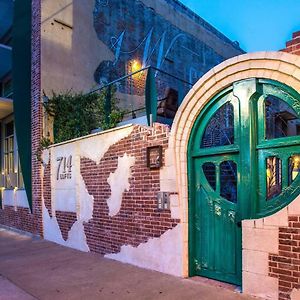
31 268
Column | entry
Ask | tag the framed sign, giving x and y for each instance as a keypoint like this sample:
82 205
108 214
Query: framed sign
154 157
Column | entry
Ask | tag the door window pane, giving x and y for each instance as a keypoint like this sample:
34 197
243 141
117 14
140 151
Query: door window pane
228 180
220 129
273 174
294 167
281 119
209 170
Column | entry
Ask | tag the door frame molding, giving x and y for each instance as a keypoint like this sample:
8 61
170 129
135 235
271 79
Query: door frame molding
279 66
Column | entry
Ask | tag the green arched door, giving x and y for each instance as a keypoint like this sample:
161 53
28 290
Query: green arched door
244 157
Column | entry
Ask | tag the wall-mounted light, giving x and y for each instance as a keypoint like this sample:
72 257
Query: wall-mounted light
135 65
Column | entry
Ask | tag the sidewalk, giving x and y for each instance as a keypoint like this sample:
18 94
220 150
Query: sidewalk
31 268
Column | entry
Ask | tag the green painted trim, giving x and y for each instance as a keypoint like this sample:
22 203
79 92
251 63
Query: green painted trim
251 149
151 96
216 155
21 72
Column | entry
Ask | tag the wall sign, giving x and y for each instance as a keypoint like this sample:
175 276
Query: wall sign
64 168
154 157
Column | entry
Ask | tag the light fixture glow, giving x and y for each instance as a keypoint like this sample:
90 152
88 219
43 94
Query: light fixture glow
135 66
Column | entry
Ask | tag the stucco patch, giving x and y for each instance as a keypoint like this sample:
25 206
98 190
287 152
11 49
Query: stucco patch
71 195
295 295
76 236
95 147
119 183
163 254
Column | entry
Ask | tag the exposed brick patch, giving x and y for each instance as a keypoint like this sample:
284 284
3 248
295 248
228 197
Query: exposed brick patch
286 265
47 188
65 221
293 46
138 219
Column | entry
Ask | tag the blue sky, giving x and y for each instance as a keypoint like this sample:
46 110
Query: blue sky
256 24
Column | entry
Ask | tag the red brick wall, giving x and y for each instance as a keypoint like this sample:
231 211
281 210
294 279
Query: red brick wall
23 219
293 46
20 219
36 112
286 265
138 219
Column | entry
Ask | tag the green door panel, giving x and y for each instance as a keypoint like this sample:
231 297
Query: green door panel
216 229
250 130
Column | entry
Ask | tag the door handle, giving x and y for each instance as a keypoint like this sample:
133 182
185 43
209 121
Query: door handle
239 224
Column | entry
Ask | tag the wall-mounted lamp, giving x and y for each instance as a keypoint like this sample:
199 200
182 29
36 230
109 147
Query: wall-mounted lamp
135 65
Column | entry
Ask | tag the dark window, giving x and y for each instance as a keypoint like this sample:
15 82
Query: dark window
209 170
228 180
281 119
220 129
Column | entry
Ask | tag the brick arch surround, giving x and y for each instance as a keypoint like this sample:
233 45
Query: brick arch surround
278 66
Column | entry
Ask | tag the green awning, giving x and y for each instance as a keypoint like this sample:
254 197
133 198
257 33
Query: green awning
21 54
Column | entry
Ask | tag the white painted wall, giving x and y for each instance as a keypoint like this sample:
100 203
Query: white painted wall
16 198
163 254
119 183
71 195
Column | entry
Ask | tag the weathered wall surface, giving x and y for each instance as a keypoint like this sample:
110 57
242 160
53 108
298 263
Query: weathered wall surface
86 43
100 196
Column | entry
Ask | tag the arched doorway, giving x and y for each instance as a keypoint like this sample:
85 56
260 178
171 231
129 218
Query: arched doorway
243 162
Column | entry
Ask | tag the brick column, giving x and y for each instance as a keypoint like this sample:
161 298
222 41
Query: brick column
293 46
36 111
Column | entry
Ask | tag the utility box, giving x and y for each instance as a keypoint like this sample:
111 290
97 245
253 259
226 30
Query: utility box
163 201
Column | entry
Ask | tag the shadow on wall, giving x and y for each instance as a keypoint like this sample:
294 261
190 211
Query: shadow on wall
149 38
71 49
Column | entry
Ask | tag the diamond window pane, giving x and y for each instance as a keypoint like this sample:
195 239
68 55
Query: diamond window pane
209 170
228 180
281 120
220 129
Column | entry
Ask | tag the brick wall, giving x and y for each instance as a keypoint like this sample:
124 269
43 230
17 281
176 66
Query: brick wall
286 264
36 112
23 218
293 46
138 219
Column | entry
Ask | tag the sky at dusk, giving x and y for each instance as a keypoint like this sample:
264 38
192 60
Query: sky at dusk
256 24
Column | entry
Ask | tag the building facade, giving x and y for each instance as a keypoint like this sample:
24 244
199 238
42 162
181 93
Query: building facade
217 195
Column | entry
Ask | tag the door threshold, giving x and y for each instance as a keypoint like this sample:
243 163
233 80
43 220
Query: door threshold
216 283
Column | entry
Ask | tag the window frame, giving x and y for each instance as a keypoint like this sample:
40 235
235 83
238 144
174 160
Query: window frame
16 164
